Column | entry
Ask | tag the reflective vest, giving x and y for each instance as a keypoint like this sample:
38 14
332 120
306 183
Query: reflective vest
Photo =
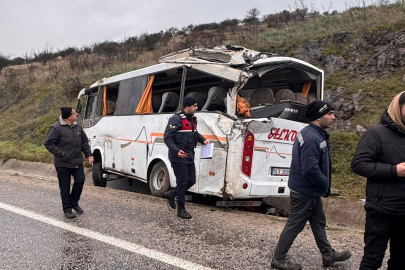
186 138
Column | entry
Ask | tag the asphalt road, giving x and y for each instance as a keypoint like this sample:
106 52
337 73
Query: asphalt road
129 230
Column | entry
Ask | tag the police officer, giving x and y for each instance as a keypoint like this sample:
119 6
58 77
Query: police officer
181 137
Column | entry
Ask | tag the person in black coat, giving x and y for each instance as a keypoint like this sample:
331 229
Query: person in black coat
380 156
66 141
181 137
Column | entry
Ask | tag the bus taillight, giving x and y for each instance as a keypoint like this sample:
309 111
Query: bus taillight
248 153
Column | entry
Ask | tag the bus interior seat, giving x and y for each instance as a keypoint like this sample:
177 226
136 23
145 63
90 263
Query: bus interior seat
170 102
200 97
216 99
310 99
284 95
300 98
261 96
156 102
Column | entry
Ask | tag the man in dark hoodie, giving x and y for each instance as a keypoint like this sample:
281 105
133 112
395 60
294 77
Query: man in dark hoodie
66 141
380 156
309 180
181 137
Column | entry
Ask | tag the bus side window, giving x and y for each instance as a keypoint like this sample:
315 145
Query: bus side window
91 107
112 95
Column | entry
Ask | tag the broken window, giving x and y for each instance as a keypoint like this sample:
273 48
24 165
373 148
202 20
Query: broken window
129 94
280 92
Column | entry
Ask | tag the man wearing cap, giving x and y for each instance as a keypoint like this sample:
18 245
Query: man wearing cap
66 141
181 137
309 180
380 156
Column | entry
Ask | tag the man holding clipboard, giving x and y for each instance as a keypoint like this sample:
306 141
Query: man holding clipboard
181 137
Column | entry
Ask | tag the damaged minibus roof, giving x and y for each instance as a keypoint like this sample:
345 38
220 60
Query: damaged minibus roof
227 62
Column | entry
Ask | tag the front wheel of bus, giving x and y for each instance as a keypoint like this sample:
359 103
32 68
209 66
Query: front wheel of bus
159 179
97 173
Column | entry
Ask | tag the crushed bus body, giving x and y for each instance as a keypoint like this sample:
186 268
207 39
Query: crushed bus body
251 107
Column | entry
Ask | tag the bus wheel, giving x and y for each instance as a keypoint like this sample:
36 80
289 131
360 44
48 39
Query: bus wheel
97 173
159 179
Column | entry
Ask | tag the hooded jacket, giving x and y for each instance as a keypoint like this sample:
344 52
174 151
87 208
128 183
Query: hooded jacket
380 149
66 143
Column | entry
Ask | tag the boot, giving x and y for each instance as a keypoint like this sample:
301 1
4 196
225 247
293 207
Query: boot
335 257
170 195
285 264
183 214
69 214
78 209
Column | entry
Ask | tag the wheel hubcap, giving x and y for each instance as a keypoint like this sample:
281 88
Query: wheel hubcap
159 180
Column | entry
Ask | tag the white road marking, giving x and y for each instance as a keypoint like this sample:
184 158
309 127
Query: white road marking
150 253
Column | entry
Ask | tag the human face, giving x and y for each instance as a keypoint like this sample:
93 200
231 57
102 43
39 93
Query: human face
191 109
73 117
326 120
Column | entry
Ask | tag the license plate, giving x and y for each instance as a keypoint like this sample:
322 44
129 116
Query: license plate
238 203
280 171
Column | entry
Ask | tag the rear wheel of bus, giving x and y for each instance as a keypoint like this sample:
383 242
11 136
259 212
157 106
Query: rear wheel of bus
159 179
97 173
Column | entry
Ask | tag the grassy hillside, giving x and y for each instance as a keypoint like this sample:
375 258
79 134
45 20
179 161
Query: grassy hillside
31 94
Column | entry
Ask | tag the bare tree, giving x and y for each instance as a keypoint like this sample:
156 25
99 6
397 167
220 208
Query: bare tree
4 61
45 55
252 16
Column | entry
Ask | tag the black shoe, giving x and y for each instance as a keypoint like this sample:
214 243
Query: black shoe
285 265
78 209
69 214
336 257
183 214
170 195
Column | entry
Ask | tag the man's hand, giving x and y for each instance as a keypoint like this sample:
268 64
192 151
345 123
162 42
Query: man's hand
401 169
206 142
182 154
91 159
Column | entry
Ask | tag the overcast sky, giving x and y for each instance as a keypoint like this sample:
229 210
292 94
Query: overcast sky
28 25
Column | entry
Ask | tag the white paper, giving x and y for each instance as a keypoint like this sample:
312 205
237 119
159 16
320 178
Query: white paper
207 150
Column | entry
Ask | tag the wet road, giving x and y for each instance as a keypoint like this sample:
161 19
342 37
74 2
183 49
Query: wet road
128 230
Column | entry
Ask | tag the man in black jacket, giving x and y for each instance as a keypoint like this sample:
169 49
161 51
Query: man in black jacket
66 140
181 137
380 156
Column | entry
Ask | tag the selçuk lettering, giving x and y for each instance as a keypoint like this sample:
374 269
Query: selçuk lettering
283 135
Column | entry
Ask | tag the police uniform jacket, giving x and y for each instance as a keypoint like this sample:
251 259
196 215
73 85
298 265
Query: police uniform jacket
181 133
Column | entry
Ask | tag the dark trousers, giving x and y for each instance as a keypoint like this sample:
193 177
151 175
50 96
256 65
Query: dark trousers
379 229
70 198
185 178
304 209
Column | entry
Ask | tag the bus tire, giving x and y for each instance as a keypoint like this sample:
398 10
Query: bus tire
97 173
159 179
